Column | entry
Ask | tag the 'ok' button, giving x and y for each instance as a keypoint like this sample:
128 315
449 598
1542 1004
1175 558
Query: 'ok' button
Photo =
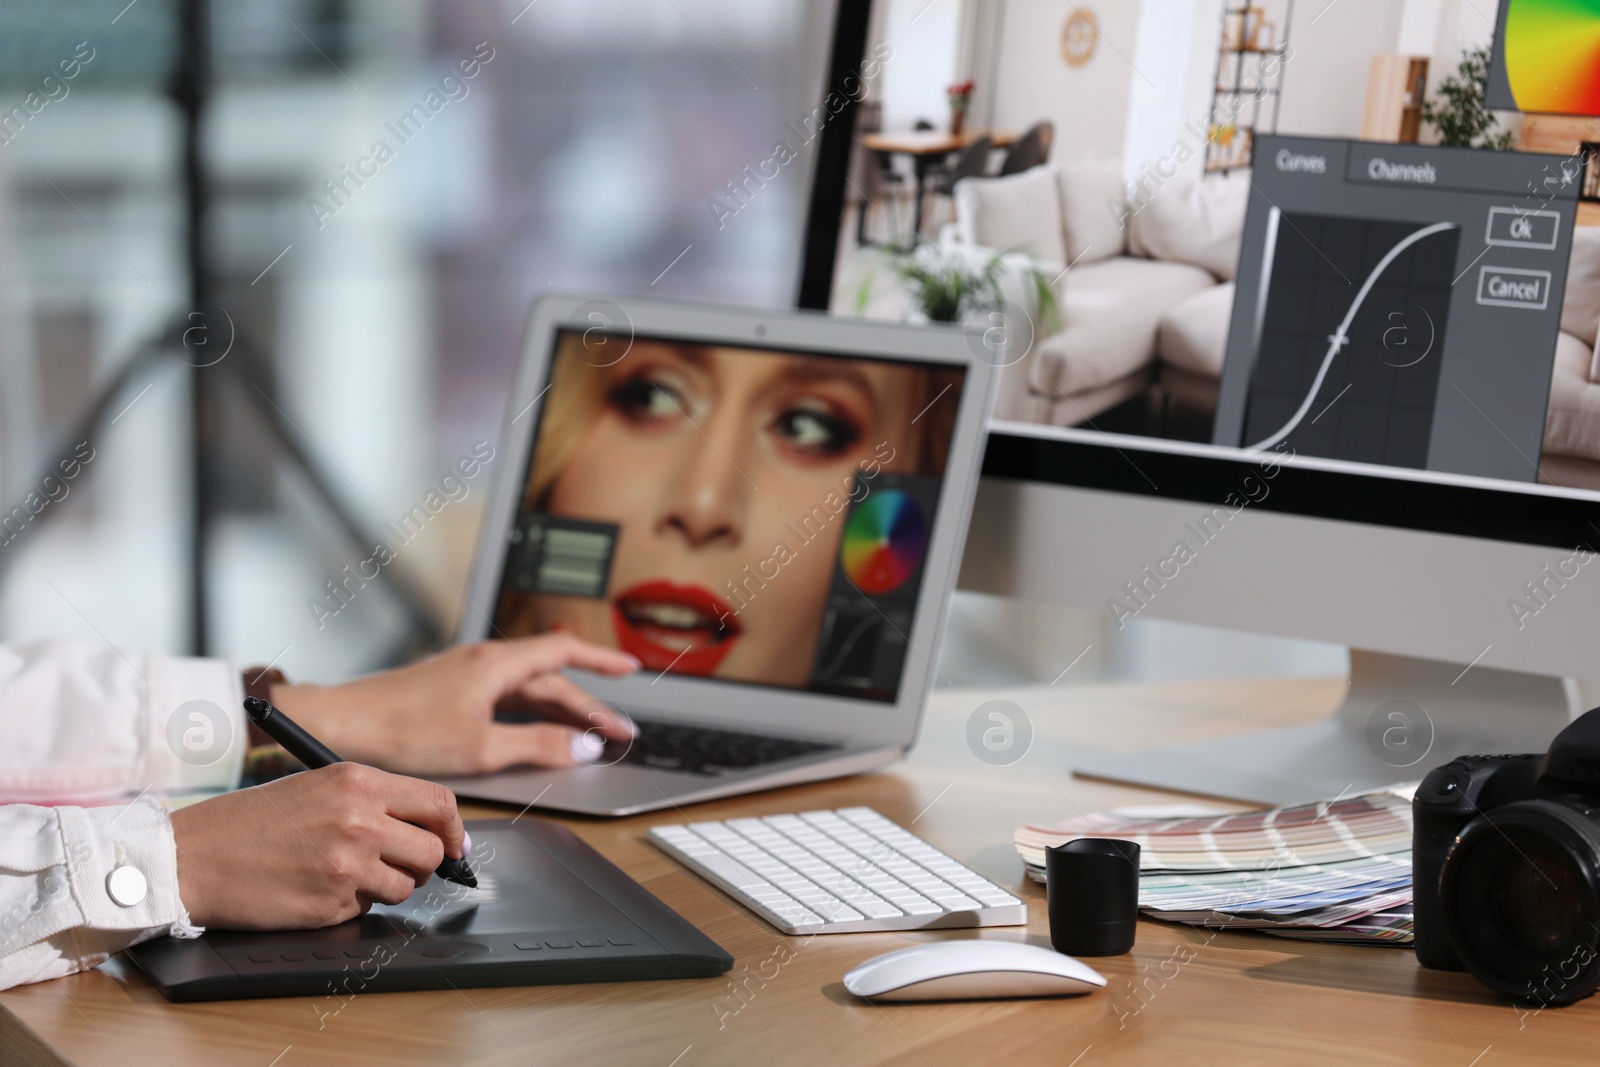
1512 287
1516 227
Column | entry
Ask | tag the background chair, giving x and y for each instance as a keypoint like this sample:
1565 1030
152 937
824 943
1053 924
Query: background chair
1030 150
974 163
876 180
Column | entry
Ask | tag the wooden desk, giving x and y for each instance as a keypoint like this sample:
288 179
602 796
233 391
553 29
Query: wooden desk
928 148
1241 998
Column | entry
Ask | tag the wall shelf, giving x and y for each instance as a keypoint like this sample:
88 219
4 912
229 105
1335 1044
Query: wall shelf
1248 84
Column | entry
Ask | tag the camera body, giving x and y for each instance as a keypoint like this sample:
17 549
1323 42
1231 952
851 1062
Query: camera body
1448 799
1506 868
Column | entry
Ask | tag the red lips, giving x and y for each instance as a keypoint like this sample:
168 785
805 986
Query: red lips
681 628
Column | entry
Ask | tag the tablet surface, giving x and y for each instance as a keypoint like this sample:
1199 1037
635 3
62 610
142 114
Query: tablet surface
549 910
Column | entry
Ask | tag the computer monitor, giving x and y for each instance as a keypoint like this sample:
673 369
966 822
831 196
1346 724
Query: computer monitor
1390 455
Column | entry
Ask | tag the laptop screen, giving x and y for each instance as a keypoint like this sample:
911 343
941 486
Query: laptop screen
745 514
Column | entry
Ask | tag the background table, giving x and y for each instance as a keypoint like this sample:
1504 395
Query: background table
1182 996
927 149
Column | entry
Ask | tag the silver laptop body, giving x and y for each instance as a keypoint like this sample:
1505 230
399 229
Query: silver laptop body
868 667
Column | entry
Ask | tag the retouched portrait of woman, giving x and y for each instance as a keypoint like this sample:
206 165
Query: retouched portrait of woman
708 459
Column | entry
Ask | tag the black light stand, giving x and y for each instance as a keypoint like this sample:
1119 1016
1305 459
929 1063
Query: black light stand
242 367
191 88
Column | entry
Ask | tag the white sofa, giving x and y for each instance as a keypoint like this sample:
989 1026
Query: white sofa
1148 292
1572 432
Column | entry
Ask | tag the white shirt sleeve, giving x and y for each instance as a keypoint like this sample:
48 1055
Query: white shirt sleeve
87 723
57 912
84 722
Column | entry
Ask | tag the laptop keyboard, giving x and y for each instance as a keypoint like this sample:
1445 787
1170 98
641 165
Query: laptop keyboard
706 751
836 872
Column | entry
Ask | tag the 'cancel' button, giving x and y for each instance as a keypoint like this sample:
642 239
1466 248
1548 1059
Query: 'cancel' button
1510 287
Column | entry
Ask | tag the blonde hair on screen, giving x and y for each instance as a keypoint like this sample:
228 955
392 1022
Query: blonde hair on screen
577 395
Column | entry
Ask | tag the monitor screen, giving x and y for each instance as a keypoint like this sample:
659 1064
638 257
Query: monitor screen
1367 313
745 514
1544 58
1373 308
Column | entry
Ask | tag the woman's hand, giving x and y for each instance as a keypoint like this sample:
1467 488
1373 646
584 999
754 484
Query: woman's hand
436 716
312 849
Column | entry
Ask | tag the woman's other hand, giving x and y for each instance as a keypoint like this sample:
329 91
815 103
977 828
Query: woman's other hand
436 716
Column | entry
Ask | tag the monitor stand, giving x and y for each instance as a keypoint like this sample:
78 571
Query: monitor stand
1401 718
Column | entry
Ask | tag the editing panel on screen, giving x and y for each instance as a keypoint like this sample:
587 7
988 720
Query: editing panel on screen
1398 304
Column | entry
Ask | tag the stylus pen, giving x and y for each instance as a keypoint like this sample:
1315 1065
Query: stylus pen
313 753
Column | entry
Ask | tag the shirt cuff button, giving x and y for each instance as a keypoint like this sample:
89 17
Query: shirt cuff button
127 886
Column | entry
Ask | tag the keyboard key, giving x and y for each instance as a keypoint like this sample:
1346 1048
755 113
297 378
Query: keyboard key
799 917
995 897
838 911
878 909
906 900
737 874
768 895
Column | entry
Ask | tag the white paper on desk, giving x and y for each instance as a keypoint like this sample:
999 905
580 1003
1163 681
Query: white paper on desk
1323 832
1167 811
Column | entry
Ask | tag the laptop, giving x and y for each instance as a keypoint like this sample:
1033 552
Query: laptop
767 509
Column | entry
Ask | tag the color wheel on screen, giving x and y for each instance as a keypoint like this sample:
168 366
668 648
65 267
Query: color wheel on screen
883 542
1552 55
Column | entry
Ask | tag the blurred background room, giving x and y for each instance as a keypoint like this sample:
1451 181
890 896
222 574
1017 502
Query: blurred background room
367 301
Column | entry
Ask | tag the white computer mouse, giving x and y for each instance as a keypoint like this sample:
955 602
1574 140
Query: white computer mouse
970 970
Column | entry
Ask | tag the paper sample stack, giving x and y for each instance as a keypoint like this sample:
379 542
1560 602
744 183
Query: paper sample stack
1335 870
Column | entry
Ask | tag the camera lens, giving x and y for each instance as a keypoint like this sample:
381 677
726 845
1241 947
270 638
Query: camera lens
1537 900
1520 896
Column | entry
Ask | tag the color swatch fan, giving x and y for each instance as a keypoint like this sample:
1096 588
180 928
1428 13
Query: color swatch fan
1549 53
883 542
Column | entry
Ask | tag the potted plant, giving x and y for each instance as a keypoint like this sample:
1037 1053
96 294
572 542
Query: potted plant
960 95
1457 112
952 285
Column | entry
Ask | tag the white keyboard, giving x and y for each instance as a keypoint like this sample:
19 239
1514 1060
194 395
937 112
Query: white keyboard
838 872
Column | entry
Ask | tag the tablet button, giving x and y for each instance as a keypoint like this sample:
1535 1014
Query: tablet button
619 941
529 946
325 955
263 959
292 957
584 942
358 953
444 952
559 944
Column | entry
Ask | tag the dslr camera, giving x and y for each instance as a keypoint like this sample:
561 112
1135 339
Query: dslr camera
1505 854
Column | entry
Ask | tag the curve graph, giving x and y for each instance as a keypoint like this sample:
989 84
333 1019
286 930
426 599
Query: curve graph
1341 334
